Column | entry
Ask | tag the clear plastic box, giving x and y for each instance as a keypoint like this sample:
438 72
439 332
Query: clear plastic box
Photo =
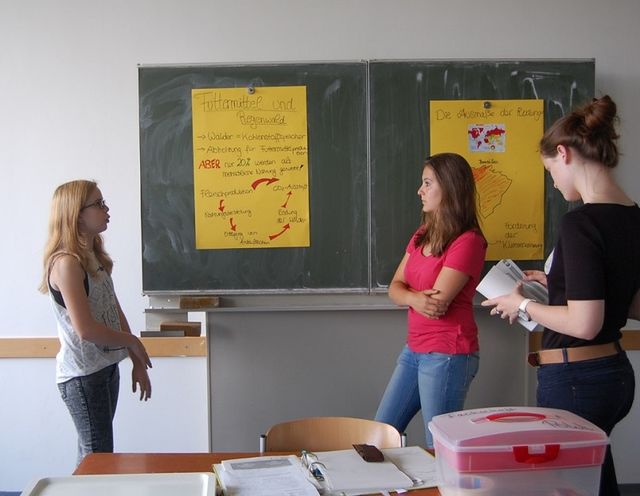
523 451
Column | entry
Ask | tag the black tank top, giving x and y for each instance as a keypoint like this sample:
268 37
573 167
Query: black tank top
57 295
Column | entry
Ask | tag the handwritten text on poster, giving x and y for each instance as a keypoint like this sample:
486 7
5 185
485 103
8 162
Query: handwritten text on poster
499 139
250 166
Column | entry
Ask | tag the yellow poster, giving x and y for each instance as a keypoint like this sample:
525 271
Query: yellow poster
250 167
499 139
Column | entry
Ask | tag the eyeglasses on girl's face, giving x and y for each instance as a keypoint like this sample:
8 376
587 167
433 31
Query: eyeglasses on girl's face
98 203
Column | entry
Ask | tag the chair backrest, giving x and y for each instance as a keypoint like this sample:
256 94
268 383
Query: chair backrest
330 433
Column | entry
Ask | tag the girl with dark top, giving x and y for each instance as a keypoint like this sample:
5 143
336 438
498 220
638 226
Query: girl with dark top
593 278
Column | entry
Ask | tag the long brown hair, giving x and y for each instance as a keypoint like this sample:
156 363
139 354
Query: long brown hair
458 211
64 236
590 130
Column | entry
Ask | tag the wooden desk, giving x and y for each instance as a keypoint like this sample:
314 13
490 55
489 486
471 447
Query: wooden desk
150 463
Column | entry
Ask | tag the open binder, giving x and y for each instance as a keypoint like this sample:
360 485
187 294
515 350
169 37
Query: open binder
328 473
345 472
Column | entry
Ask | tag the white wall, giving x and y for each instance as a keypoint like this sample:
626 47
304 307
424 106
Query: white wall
68 106
37 437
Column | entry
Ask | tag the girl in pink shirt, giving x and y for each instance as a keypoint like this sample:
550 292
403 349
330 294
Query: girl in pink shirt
436 279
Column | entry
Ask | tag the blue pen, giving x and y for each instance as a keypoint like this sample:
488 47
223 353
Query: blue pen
315 471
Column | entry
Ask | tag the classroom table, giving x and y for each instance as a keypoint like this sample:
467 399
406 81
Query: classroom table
150 463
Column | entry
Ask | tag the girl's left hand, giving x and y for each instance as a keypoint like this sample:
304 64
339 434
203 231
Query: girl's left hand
140 377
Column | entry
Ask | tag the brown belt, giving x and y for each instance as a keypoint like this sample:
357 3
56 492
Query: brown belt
567 355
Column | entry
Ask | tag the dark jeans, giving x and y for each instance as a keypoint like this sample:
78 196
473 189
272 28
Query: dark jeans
599 390
92 401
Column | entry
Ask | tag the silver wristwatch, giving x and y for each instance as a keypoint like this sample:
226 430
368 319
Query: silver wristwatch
522 309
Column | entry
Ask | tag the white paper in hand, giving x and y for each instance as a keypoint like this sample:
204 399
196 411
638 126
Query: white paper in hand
503 277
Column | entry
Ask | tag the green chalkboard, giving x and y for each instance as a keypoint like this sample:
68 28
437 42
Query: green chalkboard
368 130
338 258
400 92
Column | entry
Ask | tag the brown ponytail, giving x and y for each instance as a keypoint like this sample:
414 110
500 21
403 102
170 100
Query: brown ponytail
590 130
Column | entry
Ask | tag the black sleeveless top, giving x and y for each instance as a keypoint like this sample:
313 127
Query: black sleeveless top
57 295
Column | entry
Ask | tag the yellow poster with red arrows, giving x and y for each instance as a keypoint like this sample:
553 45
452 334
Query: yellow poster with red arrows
250 167
499 139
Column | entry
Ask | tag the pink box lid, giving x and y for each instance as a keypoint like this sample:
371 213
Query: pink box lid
513 425
516 438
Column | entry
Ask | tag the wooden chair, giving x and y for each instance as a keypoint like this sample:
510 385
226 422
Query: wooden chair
329 433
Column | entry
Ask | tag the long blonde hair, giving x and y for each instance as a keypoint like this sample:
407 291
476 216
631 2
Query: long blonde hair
64 236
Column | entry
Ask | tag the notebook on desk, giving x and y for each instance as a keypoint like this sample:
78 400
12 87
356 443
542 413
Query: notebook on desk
345 471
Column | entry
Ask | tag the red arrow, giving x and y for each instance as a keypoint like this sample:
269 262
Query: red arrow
221 206
233 226
284 228
284 205
267 180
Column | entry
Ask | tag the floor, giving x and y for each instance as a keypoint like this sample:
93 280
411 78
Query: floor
630 489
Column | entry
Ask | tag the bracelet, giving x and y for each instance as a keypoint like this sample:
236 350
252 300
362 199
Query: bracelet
522 309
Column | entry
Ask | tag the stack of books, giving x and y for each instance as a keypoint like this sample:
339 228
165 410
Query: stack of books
174 329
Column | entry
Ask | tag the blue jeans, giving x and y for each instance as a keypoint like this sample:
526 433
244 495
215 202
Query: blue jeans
92 401
599 390
435 383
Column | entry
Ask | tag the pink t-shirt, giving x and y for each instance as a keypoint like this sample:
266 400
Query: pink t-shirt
456 331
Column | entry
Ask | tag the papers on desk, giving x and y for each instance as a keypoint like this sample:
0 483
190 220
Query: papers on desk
264 476
343 472
417 463
347 472
403 468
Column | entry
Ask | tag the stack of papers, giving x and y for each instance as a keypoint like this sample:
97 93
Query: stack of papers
502 279
265 476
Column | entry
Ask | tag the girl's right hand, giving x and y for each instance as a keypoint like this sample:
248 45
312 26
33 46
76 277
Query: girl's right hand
536 275
425 304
